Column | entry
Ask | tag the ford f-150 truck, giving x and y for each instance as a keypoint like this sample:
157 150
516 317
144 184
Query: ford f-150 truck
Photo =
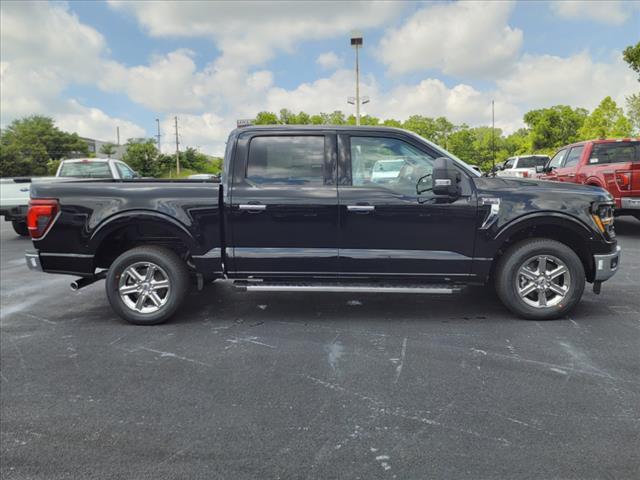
299 209
611 164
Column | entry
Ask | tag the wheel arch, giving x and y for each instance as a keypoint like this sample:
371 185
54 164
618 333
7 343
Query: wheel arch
552 225
130 229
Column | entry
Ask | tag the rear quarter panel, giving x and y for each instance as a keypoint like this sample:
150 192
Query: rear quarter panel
91 210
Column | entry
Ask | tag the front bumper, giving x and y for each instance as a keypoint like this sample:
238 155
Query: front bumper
33 261
606 265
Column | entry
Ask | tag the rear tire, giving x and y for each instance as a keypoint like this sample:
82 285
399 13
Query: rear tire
146 285
540 279
20 228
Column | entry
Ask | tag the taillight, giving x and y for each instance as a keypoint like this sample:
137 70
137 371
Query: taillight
623 180
525 174
40 216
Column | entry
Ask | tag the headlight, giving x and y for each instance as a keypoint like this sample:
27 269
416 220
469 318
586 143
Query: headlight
603 218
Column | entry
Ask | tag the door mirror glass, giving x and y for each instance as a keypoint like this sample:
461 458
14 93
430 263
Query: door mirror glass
446 178
540 168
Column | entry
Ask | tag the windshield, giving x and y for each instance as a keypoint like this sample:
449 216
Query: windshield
85 170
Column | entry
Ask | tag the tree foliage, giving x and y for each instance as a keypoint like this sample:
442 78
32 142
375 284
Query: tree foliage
606 120
28 145
631 55
554 127
108 149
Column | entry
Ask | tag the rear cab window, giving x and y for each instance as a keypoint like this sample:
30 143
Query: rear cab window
85 170
532 162
619 152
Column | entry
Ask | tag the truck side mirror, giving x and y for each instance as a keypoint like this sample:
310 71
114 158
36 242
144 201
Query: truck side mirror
540 168
446 178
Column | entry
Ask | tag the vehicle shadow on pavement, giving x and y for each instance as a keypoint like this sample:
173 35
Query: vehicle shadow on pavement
627 226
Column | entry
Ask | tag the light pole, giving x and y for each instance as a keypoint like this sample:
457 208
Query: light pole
356 42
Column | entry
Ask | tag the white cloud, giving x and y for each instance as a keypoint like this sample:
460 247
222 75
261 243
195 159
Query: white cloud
250 33
613 12
206 132
45 48
168 82
544 80
461 38
329 60
94 123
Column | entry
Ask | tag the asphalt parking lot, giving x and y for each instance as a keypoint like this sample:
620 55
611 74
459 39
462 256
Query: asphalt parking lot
317 385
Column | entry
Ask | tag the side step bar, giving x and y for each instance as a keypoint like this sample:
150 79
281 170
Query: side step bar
346 288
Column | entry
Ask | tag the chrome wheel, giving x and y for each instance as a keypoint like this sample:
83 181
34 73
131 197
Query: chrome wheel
144 287
543 281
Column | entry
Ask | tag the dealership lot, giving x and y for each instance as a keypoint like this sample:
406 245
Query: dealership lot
317 385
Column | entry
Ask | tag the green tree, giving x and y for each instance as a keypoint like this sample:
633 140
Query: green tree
554 126
633 111
631 55
27 145
266 118
108 149
607 120
391 122
143 157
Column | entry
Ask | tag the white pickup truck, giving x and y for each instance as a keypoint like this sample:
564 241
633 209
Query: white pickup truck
523 166
14 192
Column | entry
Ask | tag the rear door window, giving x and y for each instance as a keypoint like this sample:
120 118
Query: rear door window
286 160
621 152
85 170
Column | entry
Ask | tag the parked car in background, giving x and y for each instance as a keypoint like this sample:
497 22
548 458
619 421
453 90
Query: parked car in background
523 166
613 164
14 192
204 176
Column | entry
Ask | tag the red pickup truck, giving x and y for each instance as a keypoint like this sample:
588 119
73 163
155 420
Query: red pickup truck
611 164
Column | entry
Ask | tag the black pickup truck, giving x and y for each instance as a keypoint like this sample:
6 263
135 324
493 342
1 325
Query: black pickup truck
328 209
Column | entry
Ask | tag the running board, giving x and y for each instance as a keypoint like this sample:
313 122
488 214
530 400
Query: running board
346 288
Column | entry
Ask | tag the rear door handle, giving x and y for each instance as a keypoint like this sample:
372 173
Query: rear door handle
571 175
361 208
252 207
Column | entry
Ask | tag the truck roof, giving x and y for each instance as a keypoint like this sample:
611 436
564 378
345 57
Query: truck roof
253 128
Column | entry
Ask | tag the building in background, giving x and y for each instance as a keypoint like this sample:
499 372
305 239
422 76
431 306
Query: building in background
94 149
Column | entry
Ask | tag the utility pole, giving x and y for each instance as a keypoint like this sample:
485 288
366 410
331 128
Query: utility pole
493 132
177 150
158 135
118 135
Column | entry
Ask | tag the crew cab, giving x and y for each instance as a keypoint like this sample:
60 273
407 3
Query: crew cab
14 192
298 208
611 164
523 166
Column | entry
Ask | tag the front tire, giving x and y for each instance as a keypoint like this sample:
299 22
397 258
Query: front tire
20 228
540 279
146 285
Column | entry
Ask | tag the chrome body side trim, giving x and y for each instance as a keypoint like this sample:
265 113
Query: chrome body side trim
68 255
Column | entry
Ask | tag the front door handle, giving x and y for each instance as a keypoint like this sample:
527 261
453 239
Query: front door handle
361 208
252 207
571 175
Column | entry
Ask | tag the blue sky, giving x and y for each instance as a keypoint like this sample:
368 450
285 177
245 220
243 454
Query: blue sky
94 65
